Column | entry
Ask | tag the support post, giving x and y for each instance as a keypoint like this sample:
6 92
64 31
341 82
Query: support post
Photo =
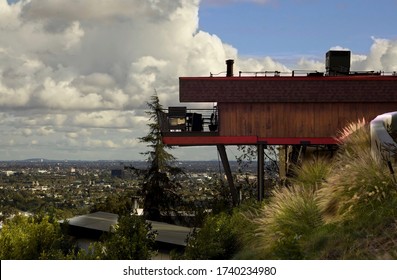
282 157
261 171
228 172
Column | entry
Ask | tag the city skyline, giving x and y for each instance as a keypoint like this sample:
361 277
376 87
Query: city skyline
75 76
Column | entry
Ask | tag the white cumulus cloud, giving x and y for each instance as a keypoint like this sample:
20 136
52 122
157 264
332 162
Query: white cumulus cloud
75 75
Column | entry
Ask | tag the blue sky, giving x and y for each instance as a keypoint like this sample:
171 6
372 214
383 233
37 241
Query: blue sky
290 28
75 75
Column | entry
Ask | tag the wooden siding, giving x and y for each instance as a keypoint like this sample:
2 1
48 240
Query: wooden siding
308 119
288 107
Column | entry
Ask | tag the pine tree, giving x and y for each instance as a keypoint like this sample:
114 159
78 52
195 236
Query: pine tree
159 188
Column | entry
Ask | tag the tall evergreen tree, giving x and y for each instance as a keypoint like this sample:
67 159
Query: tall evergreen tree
159 187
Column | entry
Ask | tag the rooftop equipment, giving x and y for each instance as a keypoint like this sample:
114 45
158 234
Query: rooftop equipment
337 63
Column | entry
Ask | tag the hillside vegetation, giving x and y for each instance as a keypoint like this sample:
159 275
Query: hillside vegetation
340 208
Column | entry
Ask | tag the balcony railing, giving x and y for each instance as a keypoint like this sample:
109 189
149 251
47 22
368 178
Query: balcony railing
181 119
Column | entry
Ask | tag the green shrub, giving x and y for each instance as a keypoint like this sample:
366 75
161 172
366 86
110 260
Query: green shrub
132 239
221 237
32 238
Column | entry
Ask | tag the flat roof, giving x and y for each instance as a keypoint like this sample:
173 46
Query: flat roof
171 234
102 221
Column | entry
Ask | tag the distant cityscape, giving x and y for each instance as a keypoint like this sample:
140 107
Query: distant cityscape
189 166
75 187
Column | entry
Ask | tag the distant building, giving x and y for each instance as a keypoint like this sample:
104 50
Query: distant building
9 173
117 173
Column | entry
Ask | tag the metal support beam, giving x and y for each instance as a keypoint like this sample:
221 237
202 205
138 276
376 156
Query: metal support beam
228 172
261 171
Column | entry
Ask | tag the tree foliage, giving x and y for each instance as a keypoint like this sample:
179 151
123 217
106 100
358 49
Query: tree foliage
121 204
159 187
247 158
31 238
221 236
131 239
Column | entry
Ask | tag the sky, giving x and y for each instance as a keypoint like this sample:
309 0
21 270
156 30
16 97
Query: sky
75 75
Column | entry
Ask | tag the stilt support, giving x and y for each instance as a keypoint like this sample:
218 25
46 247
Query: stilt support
228 172
261 171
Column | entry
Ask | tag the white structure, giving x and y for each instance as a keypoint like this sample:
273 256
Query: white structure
383 146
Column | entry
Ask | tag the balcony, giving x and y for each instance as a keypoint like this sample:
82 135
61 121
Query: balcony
180 121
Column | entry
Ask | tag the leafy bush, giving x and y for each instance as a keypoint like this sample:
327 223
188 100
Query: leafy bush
31 238
221 237
132 239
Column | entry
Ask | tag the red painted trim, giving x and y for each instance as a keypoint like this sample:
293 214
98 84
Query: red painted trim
295 78
209 140
244 140
300 140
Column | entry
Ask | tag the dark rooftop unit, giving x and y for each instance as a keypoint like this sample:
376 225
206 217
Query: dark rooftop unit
337 63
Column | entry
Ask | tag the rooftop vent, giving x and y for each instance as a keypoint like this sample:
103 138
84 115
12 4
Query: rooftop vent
337 63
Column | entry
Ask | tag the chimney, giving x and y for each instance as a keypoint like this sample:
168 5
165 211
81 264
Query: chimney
229 67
